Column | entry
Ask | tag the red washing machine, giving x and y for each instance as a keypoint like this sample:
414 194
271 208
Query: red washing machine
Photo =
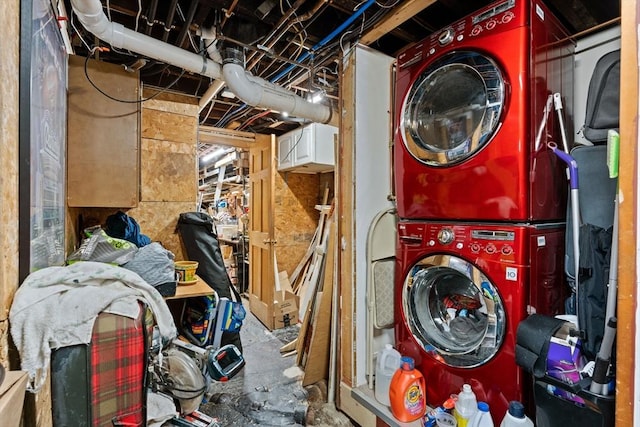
462 290
470 125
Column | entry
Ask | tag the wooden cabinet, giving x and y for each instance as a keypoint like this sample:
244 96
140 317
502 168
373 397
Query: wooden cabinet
103 155
308 149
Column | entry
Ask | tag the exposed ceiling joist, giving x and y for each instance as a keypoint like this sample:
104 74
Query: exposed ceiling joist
400 14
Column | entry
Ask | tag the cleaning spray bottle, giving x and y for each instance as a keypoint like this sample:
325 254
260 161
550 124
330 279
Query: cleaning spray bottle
466 406
482 418
407 392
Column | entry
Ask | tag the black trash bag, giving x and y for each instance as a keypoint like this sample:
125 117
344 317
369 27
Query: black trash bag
200 240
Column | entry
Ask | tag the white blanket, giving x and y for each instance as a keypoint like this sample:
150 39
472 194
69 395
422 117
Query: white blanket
57 306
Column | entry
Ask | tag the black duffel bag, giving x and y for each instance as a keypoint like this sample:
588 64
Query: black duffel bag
197 231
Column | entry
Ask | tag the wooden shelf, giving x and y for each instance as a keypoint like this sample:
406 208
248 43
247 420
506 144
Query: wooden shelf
198 289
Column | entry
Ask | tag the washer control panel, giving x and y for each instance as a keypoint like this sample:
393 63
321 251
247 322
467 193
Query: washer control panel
490 241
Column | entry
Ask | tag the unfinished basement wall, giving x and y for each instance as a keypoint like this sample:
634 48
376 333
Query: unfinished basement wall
9 137
168 171
296 216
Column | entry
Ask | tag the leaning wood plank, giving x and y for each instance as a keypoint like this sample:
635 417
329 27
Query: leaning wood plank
289 347
314 240
321 226
305 258
317 364
302 337
300 281
310 287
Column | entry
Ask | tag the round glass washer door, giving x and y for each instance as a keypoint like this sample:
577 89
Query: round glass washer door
453 311
453 109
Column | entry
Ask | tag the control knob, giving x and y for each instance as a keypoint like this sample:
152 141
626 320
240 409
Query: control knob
446 37
446 236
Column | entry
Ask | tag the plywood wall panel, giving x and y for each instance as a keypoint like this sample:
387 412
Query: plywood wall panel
296 218
160 221
168 171
169 126
170 102
9 137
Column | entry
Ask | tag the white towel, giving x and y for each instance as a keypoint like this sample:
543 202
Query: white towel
57 307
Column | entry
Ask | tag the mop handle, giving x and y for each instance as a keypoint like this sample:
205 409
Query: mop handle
572 167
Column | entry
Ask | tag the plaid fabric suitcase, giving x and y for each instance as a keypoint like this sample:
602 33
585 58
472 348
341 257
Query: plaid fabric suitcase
104 383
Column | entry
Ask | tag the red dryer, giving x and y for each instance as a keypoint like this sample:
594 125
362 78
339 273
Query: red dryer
461 291
470 104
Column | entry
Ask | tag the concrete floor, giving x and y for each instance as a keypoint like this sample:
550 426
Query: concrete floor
268 391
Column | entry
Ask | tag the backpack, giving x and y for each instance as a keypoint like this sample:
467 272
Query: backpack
603 99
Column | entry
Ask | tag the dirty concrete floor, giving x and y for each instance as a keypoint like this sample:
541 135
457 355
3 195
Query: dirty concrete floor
268 391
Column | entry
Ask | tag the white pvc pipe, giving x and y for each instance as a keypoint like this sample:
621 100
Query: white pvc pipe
261 93
252 90
90 13
211 93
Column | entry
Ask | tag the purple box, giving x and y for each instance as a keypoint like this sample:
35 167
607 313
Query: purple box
564 362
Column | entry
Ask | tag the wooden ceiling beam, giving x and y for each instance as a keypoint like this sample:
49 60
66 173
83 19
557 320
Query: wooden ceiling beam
400 14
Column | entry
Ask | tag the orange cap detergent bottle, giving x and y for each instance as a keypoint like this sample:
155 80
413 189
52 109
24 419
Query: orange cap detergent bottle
407 392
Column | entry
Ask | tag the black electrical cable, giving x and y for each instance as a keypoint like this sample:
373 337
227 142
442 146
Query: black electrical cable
138 101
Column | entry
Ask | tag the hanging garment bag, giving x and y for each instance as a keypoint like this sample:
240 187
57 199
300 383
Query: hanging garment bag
104 383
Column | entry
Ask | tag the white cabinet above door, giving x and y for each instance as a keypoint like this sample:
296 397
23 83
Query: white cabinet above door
308 149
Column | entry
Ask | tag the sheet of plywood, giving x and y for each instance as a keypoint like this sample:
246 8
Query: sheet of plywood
317 366
103 136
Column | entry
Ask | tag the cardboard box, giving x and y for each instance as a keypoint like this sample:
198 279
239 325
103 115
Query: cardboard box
282 312
12 392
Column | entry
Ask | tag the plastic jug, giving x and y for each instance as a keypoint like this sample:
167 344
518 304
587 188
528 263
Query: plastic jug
387 364
466 406
515 416
482 418
407 392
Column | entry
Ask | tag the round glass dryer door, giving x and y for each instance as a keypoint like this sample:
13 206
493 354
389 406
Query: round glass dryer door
453 311
453 109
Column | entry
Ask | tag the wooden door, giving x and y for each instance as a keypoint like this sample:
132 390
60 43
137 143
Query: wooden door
262 167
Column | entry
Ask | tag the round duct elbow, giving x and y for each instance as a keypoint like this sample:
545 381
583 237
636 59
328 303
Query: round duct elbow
260 93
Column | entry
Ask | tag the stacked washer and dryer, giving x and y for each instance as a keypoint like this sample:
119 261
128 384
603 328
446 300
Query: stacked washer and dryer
481 199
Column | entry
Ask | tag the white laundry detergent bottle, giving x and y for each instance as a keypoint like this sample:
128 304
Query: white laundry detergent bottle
515 416
482 418
466 406
387 364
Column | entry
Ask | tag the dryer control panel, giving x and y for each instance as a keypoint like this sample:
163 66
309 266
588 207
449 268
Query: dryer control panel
495 18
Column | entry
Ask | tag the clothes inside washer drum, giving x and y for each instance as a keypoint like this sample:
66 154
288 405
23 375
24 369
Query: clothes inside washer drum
464 327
